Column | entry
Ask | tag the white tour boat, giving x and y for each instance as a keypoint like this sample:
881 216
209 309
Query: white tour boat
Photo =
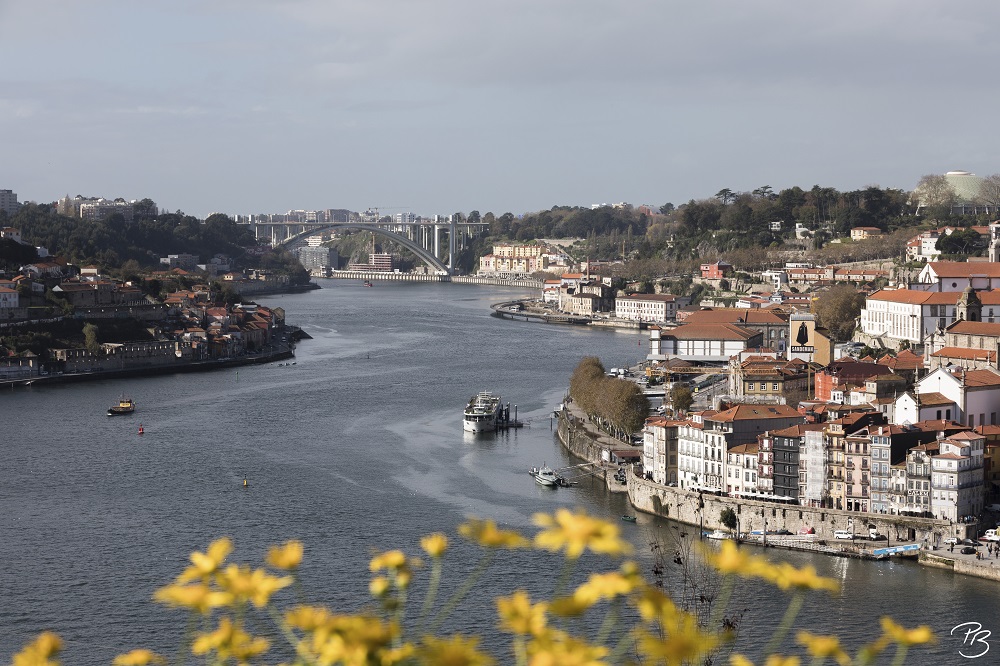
482 412
718 535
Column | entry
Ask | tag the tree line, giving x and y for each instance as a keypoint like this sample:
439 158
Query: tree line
617 405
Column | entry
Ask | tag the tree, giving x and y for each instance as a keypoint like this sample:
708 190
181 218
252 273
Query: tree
90 338
725 195
935 194
667 208
961 241
728 518
989 193
838 309
681 397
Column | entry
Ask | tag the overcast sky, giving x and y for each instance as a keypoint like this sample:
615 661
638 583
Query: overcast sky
253 106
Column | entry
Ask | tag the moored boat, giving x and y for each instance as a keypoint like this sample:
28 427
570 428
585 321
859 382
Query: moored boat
718 535
124 406
628 519
546 476
482 412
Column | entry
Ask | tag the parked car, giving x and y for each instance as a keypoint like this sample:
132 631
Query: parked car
993 507
969 542
807 530
950 540
783 532
843 534
968 550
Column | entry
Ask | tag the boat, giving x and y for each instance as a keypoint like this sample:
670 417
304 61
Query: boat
124 406
482 412
628 519
546 476
718 535
368 283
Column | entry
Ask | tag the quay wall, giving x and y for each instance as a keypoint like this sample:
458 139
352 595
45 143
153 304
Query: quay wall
705 509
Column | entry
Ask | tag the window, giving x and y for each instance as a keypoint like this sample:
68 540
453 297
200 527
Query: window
750 386
774 386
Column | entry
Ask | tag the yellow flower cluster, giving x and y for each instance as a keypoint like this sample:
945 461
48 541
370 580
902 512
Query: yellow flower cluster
226 597
730 559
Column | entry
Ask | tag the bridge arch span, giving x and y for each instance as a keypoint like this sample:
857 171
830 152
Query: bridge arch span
425 256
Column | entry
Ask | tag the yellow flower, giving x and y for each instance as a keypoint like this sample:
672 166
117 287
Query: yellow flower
569 606
786 576
378 586
255 586
519 616
556 648
486 534
205 564
307 618
898 634
455 651
653 604
39 651
198 597
576 532
604 586
730 559
230 641
391 559
824 646
287 556
434 544
140 657
680 642
739 660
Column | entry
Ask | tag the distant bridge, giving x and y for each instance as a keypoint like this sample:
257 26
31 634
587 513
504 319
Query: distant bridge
423 238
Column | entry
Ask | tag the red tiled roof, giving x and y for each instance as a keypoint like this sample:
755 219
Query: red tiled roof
965 353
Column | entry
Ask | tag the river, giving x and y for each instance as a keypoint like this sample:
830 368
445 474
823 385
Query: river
356 448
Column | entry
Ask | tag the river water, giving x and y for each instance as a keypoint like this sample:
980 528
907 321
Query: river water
356 448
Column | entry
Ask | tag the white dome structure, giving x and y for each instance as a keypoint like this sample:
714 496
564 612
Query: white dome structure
967 188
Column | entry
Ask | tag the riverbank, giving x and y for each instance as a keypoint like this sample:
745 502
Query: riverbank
906 536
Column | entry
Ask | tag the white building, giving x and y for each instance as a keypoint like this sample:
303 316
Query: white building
975 393
741 468
957 275
957 477
701 342
655 308
659 449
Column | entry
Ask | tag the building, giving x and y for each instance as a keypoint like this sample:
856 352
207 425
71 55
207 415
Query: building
659 439
863 233
655 308
318 258
741 469
957 484
704 442
701 342
974 393
772 323
957 275
8 202
716 270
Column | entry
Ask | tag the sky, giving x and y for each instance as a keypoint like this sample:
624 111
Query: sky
443 106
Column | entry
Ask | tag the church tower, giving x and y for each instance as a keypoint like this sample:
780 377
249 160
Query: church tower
994 249
969 307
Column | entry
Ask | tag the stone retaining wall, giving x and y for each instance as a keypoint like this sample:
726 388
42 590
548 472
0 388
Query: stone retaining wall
705 509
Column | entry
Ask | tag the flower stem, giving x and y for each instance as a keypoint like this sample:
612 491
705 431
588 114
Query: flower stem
900 655
432 589
794 606
473 578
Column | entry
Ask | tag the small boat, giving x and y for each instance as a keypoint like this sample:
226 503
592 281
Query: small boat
718 535
368 283
546 476
141 431
628 519
124 406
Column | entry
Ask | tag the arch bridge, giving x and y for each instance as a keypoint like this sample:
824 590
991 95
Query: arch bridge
423 238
